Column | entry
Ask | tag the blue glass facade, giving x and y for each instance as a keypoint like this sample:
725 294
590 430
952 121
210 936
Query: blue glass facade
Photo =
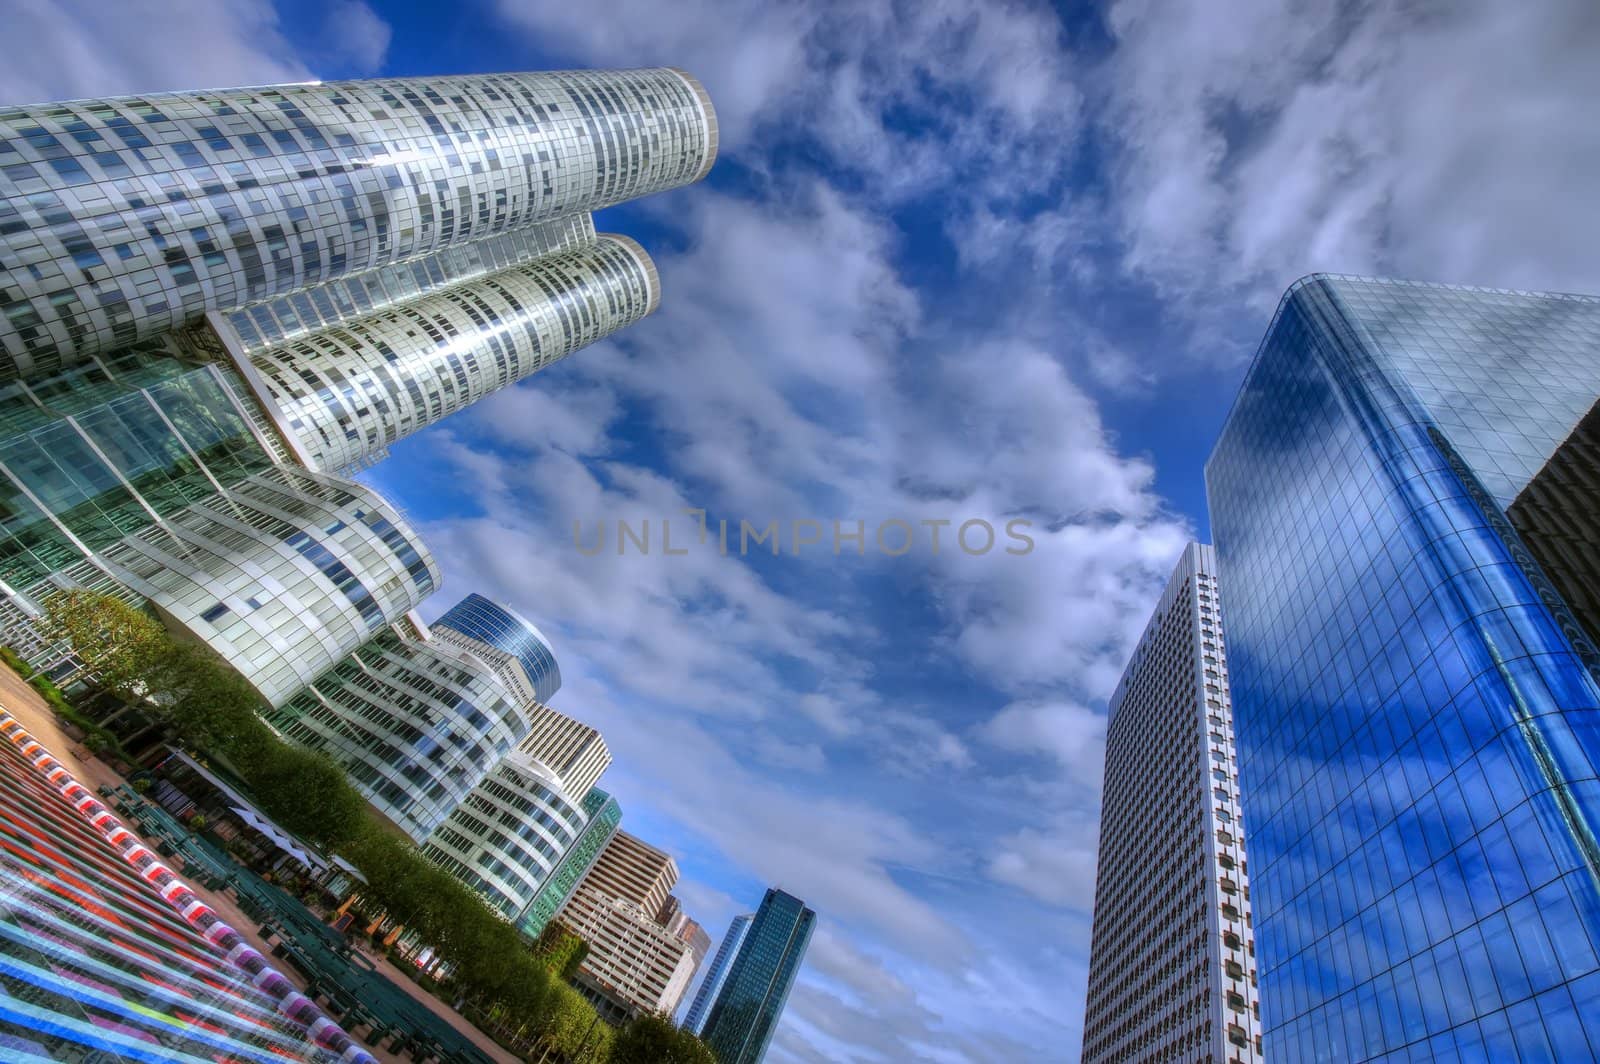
717 975
505 629
745 1015
1417 716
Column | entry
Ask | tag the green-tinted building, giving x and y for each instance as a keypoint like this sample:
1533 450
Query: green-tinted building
746 1013
604 814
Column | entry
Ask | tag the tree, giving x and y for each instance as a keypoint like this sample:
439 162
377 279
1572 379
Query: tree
305 792
655 1039
116 642
561 950
209 705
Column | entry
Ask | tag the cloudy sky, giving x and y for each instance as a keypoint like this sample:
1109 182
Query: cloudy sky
957 261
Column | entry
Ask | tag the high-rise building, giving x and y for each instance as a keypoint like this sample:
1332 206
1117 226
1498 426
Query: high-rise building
218 304
717 975
509 834
1172 960
507 630
1417 695
634 965
634 870
416 723
128 217
602 817
742 1019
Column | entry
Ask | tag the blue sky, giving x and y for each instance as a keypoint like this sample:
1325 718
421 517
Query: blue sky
956 261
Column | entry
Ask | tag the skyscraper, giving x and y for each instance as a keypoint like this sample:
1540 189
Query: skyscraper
1172 963
507 836
602 815
1417 697
717 975
744 1016
218 304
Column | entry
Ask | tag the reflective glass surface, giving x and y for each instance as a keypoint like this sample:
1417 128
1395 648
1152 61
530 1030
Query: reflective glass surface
717 977
503 628
745 1015
603 815
1417 736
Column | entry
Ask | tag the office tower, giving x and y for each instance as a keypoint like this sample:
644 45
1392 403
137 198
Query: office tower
717 975
634 965
507 836
218 304
602 817
633 869
574 751
1415 694
415 722
1172 961
150 477
741 1020
507 630
691 932
128 217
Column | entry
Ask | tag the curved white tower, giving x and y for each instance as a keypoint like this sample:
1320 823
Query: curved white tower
126 217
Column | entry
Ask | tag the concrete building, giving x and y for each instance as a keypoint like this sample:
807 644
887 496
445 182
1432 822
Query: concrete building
632 869
634 965
1172 970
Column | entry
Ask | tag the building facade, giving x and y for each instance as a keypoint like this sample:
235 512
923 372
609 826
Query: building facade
1416 696
509 834
124 218
603 815
216 305
743 1018
634 965
632 869
416 724
1172 970
717 974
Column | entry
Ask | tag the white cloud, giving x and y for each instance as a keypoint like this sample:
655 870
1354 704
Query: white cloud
80 48
1264 141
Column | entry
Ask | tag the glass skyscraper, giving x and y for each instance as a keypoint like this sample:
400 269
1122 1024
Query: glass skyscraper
711 986
217 305
505 629
602 814
745 1014
1396 500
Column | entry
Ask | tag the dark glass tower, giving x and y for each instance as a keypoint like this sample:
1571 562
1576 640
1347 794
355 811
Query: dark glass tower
717 977
745 1015
1417 701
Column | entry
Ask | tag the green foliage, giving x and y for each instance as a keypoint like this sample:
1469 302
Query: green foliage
655 1039
211 709
561 950
115 641
18 666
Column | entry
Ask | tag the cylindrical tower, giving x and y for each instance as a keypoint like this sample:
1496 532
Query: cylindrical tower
350 391
415 723
125 217
509 834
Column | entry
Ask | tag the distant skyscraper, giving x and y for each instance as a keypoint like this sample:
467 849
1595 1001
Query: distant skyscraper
717 975
1417 695
505 629
744 1016
1172 964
